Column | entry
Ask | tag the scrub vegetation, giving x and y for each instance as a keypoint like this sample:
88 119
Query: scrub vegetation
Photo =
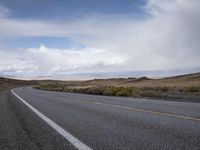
6 83
185 87
178 87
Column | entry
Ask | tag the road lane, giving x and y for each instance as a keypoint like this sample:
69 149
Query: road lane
76 143
95 121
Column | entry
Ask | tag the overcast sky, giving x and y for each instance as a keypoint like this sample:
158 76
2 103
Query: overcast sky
60 37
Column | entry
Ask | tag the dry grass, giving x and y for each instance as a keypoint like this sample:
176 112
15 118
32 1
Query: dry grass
186 86
6 83
180 81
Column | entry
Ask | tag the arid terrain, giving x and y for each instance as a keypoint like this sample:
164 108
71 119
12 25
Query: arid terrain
177 87
183 87
6 83
30 117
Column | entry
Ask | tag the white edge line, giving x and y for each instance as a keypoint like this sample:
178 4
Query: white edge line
74 141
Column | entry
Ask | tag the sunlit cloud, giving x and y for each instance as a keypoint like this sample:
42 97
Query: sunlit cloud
47 61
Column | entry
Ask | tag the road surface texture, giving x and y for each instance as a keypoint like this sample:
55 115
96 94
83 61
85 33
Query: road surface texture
97 122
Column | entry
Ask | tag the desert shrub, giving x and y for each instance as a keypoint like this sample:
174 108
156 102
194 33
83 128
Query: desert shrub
124 92
38 87
115 89
156 88
66 89
148 94
192 89
108 92
74 90
95 90
135 92
130 89
164 89
83 90
79 90
51 87
121 91
180 90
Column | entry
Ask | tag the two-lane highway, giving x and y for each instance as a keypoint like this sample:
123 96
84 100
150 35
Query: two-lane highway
100 122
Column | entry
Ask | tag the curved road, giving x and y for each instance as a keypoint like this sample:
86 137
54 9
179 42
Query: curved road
76 121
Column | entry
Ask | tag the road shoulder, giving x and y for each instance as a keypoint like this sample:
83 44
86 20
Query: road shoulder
12 135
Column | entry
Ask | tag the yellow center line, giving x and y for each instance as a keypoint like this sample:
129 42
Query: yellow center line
150 111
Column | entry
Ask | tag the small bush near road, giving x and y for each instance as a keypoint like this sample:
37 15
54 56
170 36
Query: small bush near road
156 92
192 89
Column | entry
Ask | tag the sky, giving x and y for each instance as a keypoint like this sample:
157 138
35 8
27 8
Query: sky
67 38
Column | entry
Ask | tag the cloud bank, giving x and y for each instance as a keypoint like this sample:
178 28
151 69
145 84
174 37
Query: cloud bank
166 38
47 61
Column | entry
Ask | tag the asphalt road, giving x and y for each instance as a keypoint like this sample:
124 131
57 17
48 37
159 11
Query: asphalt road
99 122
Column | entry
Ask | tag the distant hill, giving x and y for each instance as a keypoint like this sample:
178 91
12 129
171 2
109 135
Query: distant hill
6 83
182 88
182 80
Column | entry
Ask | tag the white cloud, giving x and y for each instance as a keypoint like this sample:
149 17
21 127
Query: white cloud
46 61
168 38
15 64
